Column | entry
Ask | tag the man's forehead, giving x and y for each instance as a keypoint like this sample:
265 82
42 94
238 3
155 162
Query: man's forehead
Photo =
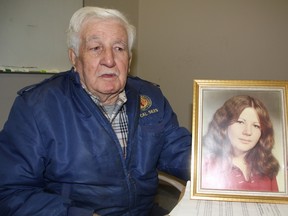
109 25
98 32
97 39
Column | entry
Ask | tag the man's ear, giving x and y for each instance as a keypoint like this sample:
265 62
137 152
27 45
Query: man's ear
72 56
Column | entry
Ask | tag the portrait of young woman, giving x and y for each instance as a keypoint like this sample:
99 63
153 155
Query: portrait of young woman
237 148
242 142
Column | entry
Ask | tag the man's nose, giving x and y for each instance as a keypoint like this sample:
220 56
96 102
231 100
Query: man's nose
108 58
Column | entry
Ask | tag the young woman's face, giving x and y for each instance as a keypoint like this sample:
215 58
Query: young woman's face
245 132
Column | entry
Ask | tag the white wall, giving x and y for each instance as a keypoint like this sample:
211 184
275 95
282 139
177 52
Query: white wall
33 33
182 40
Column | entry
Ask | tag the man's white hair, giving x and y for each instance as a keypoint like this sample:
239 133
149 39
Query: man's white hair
86 13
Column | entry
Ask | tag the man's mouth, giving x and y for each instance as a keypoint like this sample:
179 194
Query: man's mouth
108 74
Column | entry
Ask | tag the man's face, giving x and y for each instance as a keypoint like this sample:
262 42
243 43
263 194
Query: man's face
103 59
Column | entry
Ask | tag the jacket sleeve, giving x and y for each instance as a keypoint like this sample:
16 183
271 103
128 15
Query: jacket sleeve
22 168
175 158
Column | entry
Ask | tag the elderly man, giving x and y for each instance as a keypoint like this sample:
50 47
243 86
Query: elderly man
90 140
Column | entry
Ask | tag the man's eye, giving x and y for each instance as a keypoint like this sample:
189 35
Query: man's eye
97 48
119 48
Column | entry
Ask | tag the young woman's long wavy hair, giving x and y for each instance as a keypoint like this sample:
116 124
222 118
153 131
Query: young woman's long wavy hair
216 143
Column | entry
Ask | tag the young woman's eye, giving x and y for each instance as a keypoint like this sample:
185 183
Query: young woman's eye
257 126
240 122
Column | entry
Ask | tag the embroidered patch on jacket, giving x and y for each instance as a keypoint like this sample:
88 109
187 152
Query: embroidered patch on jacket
145 102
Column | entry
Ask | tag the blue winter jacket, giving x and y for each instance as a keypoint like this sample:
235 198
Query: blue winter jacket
60 156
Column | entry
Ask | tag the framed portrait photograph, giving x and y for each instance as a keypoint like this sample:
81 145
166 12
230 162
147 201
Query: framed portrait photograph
239 141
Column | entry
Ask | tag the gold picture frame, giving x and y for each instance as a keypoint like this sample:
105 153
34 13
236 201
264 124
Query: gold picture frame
227 166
